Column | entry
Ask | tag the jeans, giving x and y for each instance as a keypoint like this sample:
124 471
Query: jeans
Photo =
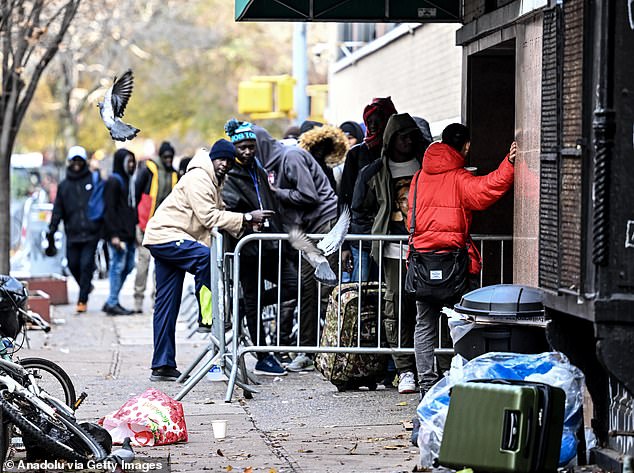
426 340
396 332
81 263
288 292
121 264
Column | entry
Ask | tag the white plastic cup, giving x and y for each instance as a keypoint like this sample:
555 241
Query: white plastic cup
220 429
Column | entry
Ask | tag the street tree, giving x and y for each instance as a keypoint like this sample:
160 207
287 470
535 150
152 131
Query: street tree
30 35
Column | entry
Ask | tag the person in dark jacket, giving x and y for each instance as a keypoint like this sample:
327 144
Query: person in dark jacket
446 196
153 183
246 189
379 207
82 233
375 117
309 203
120 221
353 132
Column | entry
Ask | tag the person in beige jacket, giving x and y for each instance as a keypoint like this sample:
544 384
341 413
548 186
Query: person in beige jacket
178 237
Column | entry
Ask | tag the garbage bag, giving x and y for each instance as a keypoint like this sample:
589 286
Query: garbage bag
552 368
151 418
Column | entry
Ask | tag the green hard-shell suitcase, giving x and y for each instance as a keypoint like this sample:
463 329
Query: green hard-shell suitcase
503 426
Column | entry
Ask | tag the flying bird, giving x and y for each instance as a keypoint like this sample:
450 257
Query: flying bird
113 106
316 255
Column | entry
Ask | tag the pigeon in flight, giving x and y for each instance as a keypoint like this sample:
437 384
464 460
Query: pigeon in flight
316 255
113 106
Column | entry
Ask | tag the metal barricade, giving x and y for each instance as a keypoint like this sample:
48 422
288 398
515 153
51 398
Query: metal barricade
226 294
238 351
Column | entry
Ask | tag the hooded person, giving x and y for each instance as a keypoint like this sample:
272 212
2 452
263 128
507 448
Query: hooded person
178 237
246 188
446 196
153 183
375 117
353 132
82 233
379 207
328 145
309 203
120 219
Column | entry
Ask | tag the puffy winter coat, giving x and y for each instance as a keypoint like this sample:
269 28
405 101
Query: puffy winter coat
446 196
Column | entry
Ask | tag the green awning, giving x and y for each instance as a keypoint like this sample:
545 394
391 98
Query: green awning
375 11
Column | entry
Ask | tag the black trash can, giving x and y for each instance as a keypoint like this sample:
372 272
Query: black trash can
506 318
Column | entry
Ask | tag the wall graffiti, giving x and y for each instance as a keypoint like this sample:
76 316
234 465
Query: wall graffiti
630 12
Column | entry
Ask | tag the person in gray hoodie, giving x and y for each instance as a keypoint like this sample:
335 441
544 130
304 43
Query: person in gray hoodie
309 203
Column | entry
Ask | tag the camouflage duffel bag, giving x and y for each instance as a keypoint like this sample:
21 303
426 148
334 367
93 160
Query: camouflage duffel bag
348 327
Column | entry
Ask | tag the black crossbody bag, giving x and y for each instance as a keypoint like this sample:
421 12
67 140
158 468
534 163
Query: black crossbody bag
436 276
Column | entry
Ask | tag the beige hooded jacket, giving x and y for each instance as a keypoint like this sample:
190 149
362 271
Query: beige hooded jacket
193 207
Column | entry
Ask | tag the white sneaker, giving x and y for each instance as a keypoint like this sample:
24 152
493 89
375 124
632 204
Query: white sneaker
301 363
406 383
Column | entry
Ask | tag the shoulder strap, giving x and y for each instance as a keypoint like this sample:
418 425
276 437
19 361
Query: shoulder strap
412 222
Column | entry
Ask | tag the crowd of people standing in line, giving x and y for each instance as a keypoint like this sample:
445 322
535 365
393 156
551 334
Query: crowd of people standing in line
311 175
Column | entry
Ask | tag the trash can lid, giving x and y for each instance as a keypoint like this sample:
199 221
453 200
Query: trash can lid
503 301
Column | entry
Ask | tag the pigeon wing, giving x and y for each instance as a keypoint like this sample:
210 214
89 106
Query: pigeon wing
121 92
334 238
301 242
323 272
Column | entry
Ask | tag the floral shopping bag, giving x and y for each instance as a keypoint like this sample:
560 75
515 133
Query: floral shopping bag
151 418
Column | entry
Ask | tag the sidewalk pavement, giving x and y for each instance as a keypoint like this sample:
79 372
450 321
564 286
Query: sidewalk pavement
296 423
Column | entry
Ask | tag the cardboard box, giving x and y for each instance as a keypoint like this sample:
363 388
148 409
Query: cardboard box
54 285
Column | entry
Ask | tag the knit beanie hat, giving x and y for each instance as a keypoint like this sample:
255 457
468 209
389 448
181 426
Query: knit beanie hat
239 131
222 149
166 147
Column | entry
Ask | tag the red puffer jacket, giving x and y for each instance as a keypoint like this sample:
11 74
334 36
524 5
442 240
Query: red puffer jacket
447 194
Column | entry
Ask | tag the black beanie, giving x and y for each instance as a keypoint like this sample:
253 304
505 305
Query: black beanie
222 149
166 147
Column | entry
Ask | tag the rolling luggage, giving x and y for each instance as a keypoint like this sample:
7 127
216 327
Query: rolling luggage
503 426
348 370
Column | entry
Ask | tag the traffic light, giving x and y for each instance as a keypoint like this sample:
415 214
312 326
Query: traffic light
267 97
255 97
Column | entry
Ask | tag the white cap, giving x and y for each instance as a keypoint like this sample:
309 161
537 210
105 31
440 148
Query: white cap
77 151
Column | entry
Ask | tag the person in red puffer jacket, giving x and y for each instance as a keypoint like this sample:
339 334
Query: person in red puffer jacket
446 196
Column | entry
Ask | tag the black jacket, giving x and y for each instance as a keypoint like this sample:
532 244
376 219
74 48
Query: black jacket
71 204
239 195
120 217
358 157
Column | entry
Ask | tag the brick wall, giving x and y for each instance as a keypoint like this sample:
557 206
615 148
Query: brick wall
422 72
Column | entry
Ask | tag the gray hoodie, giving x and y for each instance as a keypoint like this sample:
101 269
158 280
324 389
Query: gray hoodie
303 189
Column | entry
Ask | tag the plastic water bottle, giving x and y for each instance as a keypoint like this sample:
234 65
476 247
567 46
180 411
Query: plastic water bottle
215 374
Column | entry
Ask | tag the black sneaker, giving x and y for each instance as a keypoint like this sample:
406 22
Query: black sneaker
115 310
124 310
165 373
269 366
284 359
203 328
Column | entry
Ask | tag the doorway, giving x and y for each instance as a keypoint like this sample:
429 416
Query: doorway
490 111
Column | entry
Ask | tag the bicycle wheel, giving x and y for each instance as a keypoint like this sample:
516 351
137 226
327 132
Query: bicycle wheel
58 434
51 378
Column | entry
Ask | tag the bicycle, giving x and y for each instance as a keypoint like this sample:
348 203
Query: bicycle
44 419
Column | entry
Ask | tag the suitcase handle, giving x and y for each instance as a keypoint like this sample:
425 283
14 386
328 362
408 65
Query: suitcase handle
511 431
